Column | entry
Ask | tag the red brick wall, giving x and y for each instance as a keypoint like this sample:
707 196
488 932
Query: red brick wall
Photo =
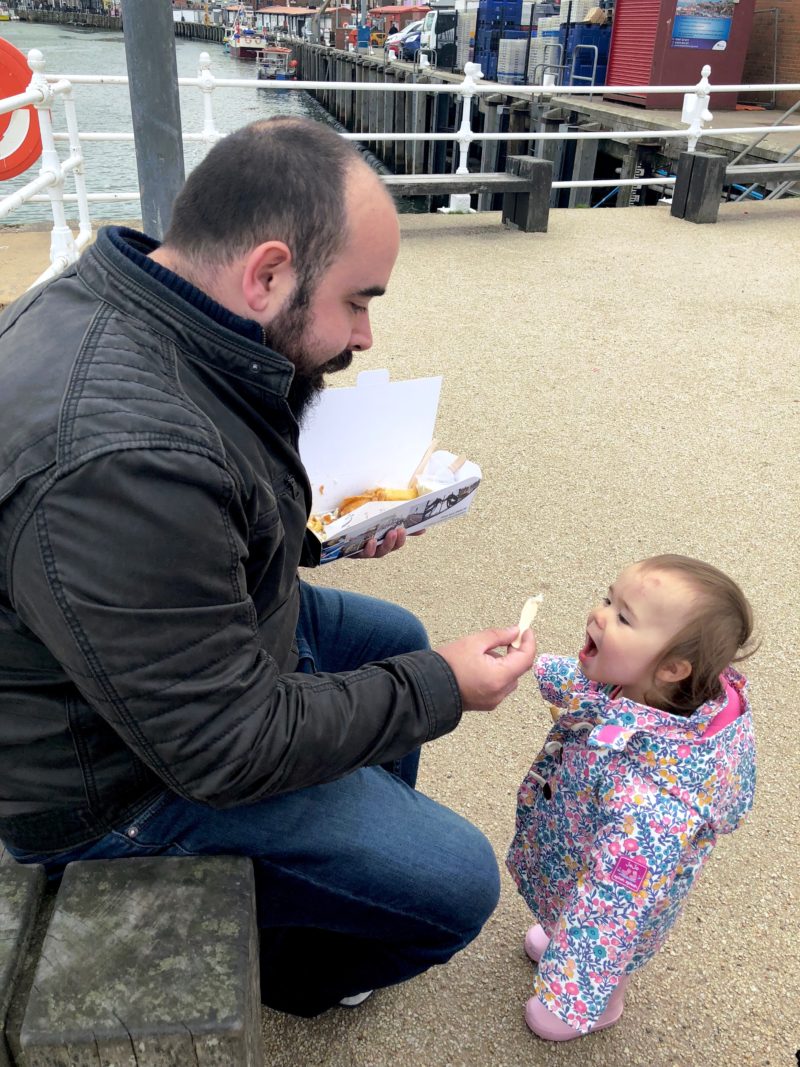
759 64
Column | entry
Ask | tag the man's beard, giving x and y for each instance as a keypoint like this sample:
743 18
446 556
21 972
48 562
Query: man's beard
308 384
285 335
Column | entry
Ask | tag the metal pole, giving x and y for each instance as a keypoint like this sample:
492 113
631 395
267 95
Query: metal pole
155 108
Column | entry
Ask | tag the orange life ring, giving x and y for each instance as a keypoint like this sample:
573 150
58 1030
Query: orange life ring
20 139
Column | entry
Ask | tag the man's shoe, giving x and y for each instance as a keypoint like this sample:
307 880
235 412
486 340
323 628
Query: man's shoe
536 942
548 1026
353 1002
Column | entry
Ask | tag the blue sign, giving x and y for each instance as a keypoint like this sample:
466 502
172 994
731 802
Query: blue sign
702 24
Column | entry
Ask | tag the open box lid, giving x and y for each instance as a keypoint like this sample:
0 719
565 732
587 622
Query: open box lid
371 434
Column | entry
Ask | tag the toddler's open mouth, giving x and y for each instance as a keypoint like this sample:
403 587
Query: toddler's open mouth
588 650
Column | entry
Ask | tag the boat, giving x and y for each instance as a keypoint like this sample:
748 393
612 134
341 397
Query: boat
244 41
275 63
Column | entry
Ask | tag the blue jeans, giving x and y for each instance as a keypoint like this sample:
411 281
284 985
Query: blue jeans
360 883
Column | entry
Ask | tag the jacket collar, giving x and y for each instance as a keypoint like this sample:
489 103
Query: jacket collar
203 334
621 718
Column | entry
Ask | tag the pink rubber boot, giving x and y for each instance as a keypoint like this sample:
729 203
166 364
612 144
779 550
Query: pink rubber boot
548 1026
536 942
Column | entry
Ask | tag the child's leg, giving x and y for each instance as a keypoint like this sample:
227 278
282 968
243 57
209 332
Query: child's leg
544 1024
536 942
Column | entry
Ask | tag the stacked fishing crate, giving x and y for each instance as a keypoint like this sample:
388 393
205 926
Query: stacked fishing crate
580 43
543 39
511 59
467 11
575 10
497 19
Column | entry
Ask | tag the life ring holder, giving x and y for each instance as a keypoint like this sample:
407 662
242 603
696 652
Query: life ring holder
20 138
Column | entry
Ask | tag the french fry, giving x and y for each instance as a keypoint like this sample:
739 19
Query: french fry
527 616
350 503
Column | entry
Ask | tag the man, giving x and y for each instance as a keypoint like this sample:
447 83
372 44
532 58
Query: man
167 685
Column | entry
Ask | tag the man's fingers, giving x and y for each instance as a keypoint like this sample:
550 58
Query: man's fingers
393 540
527 644
497 638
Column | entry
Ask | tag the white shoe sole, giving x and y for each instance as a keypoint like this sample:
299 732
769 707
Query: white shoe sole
353 1002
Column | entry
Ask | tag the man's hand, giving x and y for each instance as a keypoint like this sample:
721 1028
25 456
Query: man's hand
393 540
484 676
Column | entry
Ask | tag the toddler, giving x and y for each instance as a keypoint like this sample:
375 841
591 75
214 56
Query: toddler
651 757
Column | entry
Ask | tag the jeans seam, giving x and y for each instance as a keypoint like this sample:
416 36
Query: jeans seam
361 900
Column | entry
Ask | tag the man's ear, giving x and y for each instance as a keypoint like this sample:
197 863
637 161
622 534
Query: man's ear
673 671
268 279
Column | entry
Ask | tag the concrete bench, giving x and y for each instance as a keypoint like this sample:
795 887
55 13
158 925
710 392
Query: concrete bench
143 962
701 177
525 184
22 891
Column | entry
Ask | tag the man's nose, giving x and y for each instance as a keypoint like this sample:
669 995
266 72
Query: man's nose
361 337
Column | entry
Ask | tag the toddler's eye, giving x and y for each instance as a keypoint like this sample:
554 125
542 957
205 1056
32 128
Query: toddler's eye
623 620
605 600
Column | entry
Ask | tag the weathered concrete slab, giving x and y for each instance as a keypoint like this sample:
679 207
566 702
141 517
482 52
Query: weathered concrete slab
21 893
148 963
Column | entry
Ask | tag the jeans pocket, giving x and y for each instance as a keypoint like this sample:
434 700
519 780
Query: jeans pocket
151 830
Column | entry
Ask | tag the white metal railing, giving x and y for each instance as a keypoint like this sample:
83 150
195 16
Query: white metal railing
65 247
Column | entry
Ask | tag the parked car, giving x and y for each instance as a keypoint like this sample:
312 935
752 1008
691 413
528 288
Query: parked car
410 45
394 42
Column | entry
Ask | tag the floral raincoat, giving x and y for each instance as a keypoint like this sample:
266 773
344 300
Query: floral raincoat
615 819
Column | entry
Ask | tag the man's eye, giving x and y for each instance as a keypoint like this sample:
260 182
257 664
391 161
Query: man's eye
358 309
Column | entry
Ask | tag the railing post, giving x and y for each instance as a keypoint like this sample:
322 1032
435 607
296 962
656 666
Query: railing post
75 150
62 243
207 83
459 202
695 109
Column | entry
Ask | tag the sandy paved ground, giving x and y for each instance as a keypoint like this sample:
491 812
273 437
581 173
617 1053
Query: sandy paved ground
629 385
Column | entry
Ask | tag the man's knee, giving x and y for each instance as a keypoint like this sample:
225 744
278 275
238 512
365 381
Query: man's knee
476 891
464 880
408 633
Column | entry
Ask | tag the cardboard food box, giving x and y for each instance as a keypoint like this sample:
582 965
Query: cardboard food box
375 434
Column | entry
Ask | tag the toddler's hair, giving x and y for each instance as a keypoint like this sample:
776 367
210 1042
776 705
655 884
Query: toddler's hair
718 635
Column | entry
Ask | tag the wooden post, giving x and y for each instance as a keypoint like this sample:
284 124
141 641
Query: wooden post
529 211
583 166
387 155
374 108
408 126
551 122
178 963
359 116
421 149
634 157
401 126
490 106
699 181
350 75
22 922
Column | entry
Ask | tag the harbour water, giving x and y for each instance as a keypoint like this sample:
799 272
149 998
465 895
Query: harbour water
111 165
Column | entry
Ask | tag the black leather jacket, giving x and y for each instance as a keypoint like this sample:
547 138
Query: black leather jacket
153 516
